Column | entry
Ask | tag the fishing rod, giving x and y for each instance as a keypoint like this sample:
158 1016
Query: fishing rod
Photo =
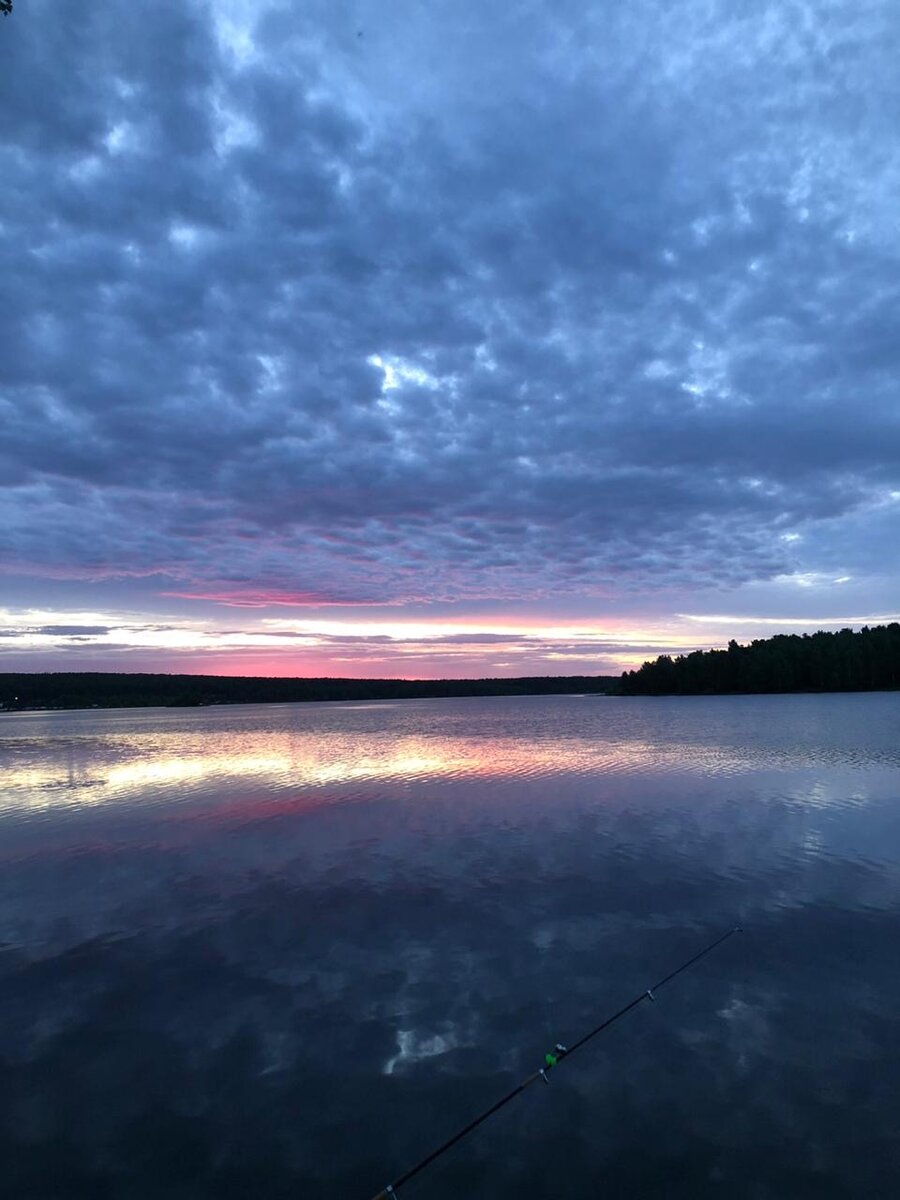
551 1059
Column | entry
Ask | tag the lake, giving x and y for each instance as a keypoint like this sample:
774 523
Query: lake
285 951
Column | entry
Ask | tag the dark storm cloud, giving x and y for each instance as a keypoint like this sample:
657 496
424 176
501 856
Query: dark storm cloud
471 306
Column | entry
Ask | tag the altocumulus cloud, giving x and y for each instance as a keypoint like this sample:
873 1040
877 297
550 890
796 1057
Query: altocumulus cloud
387 303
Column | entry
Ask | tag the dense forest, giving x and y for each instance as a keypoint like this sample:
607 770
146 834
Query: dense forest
100 690
820 662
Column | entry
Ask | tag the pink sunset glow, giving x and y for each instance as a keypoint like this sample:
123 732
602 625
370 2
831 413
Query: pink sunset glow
317 362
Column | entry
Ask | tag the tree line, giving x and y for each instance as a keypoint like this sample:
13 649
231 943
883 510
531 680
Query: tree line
108 690
868 660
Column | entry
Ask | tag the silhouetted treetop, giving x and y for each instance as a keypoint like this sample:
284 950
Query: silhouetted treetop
820 662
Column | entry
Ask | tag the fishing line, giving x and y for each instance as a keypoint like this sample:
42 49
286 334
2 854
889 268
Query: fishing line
551 1059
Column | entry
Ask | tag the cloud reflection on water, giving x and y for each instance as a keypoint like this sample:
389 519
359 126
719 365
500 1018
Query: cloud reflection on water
256 934
316 746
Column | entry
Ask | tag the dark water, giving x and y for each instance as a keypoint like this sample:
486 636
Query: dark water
283 951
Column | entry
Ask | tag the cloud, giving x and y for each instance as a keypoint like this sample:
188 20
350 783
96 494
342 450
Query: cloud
316 646
471 308
73 630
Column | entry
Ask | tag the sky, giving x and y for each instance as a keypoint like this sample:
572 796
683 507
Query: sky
451 339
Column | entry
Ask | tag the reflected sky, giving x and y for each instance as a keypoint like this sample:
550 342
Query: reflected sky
270 949
87 758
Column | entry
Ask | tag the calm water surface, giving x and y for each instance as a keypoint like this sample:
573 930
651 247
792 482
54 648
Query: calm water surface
282 951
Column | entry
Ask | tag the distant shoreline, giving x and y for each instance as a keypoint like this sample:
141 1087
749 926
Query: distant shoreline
85 691
63 691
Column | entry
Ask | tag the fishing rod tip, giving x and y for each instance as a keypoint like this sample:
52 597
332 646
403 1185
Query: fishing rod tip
738 929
